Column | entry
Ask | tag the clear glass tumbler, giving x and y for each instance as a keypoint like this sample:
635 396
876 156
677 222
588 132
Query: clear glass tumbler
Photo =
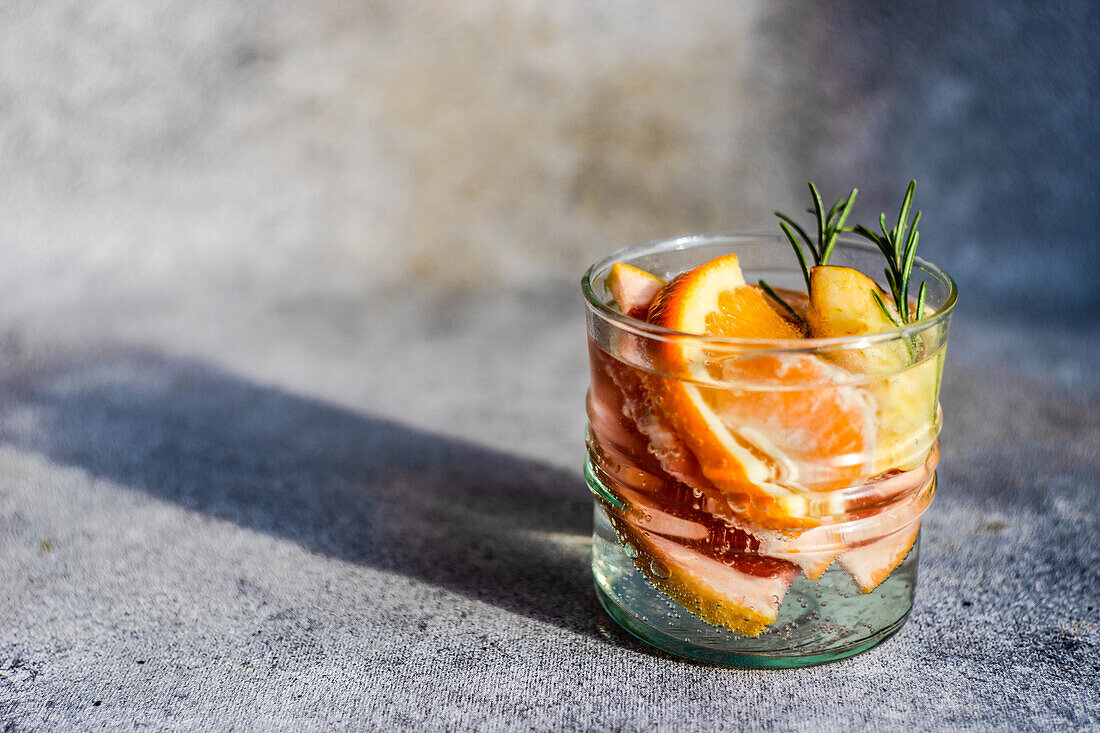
705 571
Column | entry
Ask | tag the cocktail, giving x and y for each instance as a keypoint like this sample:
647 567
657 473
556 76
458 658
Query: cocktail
762 437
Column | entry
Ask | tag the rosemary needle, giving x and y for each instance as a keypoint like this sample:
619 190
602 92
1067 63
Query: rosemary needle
775 296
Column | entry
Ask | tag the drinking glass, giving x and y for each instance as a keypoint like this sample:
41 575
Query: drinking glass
699 571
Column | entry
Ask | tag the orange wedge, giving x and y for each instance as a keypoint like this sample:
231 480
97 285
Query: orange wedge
872 563
813 551
788 428
633 289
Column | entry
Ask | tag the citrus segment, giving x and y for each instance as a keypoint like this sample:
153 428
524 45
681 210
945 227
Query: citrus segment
813 550
792 427
632 289
713 299
872 563
908 410
665 445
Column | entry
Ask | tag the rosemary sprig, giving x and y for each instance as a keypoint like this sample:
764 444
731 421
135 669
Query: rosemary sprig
899 246
829 227
775 296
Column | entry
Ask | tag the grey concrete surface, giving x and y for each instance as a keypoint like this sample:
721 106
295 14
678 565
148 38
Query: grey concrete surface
292 361
369 514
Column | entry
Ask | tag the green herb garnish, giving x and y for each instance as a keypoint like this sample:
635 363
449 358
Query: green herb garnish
899 249
775 296
829 227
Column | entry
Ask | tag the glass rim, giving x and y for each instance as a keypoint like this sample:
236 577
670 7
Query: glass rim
729 343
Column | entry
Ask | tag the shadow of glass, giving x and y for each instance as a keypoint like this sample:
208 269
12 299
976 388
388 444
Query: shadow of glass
491 526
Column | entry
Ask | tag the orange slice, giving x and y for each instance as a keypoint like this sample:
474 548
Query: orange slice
789 426
813 550
716 592
713 299
633 291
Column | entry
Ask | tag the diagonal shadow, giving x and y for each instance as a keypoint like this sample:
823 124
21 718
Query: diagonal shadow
355 487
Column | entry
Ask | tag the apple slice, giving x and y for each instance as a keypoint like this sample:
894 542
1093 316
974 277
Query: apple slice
842 303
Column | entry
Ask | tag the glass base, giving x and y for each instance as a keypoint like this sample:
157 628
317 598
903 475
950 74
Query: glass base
724 658
819 621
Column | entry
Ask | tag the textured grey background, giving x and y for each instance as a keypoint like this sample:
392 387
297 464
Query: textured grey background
292 361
